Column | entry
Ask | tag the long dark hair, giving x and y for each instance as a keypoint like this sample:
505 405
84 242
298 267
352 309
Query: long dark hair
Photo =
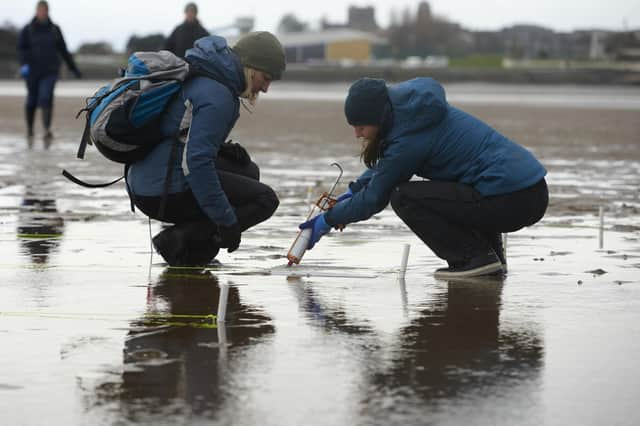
372 149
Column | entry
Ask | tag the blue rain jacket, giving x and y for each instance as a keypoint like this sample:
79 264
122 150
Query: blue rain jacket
215 109
434 140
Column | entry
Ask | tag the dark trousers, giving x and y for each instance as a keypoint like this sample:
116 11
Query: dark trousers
40 90
458 223
40 94
253 201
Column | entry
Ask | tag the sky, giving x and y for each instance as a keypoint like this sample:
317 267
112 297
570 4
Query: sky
116 20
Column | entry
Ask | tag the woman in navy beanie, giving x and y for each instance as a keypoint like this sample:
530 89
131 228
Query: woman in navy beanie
480 184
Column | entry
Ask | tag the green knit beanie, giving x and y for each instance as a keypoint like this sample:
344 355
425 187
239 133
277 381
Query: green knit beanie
262 51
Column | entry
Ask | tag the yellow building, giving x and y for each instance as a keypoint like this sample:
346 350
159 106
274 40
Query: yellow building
331 45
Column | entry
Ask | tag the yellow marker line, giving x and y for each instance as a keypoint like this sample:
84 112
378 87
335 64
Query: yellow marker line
204 321
104 316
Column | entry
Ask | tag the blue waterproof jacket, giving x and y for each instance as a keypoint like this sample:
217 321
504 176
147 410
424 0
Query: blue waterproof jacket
432 139
41 45
212 105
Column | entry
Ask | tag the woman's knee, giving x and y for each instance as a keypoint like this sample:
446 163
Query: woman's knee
249 170
253 172
270 202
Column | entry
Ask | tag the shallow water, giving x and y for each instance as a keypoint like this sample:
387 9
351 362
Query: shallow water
95 331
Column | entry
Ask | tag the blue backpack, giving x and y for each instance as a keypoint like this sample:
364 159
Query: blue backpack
123 117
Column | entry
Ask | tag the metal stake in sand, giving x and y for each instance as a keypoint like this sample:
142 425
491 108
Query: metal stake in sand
405 259
601 232
222 303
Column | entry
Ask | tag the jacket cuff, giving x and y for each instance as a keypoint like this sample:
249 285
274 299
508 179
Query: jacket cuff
355 186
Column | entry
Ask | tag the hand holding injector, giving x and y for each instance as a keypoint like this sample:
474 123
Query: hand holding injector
315 225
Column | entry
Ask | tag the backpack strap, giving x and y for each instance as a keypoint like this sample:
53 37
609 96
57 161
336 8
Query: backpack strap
129 191
167 179
86 138
80 182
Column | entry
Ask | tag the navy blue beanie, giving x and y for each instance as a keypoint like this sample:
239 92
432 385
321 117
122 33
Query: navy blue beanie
366 102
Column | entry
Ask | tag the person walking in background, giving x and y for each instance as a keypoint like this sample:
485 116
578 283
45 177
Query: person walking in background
185 34
40 47
480 183
211 191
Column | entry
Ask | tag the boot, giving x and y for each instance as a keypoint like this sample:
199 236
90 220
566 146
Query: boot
497 246
483 264
46 123
30 114
189 244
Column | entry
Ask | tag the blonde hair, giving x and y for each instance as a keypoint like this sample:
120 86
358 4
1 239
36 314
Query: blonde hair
248 94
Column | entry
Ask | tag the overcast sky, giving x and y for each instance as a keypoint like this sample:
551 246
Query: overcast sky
116 20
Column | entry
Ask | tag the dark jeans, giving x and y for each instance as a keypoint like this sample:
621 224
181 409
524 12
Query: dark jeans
458 223
253 202
40 91
40 94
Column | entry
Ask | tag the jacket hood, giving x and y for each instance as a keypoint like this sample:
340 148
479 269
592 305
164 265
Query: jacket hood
212 56
417 104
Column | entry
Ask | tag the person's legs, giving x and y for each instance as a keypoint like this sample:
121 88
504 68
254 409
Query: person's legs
31 103
460 225
426 208
45 101
191 241
253 201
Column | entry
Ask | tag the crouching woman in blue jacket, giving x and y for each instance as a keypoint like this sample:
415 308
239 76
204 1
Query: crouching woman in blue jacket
480 184
207 188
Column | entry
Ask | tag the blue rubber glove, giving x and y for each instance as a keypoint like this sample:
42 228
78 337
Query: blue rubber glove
24 71
319 227
345 195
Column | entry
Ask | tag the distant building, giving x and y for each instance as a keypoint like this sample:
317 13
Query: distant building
597 46
362 18
330 45
534 42
585 44
628 54
530 42
488 42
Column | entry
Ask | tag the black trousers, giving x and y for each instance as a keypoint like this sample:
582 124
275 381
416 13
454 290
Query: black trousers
458 223
253 201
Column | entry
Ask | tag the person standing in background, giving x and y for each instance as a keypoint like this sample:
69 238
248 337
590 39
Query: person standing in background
185 34
40 47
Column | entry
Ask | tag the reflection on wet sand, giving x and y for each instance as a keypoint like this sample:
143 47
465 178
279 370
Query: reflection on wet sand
40 226
177 364
456 347
328 318
47 139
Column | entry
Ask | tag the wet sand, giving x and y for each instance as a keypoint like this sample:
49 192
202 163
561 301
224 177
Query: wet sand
91 333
